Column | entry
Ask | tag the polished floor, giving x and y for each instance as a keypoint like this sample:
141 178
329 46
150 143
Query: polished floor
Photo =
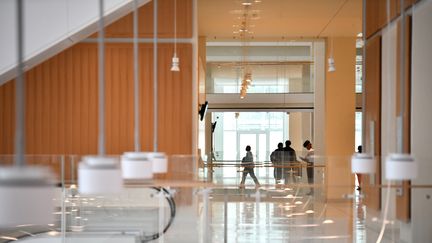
287 213
216 211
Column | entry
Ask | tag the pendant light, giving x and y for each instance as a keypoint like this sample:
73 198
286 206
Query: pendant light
331 62
363 164
136 165
175 60
26 192
160 161
100 174
401 166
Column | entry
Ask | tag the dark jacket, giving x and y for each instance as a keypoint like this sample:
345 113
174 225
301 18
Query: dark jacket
290 154
247 161
277 156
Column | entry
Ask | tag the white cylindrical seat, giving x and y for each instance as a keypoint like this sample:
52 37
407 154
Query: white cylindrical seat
137 165
401 167
363 164
99 175
160 162
26 196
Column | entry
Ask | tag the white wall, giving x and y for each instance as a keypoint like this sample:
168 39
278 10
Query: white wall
50 23
421 120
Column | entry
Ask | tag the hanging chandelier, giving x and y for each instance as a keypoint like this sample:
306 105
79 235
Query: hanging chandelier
244 33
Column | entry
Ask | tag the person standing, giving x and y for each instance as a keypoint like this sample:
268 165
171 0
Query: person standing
276 158
290 159
359 176
247 163
308 158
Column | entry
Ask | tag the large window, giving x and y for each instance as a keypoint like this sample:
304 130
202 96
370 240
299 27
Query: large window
266 78
261 130
275 67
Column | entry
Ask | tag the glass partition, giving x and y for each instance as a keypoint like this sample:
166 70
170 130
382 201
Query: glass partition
267 77
194 202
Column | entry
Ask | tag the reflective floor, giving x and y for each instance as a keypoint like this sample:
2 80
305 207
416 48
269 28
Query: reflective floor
296 212
214 209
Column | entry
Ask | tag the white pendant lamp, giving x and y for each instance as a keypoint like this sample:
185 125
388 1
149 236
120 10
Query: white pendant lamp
330 60
175 60
160 162
363 164
401 167
136 165
331 64
26 196
159 159
26 192
100 174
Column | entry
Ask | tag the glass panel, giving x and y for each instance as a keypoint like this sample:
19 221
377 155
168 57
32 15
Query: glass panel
262 149
230 141
266 78
194 209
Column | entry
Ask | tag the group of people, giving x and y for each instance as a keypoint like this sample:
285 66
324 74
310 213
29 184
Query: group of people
284 160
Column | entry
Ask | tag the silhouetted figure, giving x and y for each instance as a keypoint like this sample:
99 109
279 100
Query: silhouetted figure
277 158
359 176
309 160
248 165
290 158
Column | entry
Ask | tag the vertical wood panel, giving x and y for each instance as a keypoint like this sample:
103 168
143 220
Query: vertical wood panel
123 27
54 106
30 111
45 101
62 96
93 108
146 96
62 103
376 13
84 101
7 114
68 110
372 96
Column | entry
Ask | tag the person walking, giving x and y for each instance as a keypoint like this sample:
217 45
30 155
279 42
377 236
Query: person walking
359 176
247 163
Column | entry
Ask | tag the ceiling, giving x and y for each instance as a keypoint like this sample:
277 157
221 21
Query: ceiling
281 19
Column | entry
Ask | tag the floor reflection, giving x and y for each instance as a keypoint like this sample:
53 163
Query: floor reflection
278 215
293 214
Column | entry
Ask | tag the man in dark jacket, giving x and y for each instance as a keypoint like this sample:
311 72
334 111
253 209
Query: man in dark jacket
291 160
277 158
